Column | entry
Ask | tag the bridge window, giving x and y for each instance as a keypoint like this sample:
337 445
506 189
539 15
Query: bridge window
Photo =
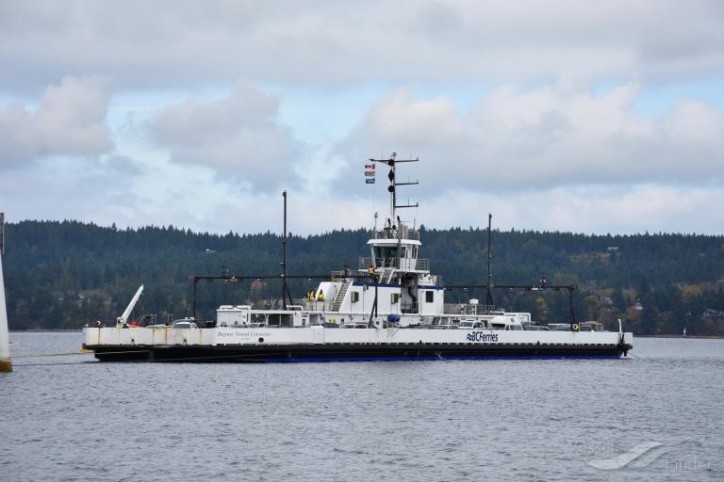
429 296
386 252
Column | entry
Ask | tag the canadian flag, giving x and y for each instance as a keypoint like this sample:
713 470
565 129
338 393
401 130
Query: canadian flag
369 166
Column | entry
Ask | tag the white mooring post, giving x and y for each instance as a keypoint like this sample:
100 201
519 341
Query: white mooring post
6 366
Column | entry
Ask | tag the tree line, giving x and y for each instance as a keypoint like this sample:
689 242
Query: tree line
63 275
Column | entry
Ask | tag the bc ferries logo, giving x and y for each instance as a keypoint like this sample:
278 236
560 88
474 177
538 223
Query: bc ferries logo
482 336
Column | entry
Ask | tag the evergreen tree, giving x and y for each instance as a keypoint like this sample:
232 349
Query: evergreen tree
66 274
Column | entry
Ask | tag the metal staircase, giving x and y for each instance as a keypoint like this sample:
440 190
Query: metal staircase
339 298
387 275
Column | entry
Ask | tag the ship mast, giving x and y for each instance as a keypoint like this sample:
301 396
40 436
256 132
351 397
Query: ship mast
489 295
286 295
392 188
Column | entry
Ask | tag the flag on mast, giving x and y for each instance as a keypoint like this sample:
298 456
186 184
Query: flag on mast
370 173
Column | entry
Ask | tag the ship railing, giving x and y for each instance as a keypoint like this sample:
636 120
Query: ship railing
381 263
341 274
431 280
317 305
468 309
402 233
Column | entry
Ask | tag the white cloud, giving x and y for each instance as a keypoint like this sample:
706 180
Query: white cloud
238 137
546 137
529 107
69 121
63 187
399 118
584 209
185 43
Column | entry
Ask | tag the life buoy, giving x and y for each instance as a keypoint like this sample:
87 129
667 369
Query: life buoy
575 327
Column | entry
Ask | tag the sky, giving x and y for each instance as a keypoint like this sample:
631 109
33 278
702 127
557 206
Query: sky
559 115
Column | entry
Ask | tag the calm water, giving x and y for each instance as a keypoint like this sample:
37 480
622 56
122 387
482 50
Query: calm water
69 418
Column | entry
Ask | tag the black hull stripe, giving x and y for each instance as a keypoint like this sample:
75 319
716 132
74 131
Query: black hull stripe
313 353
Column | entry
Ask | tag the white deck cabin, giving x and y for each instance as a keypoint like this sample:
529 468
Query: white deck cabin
407 296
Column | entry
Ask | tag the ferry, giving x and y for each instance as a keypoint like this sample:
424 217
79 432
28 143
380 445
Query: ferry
390 308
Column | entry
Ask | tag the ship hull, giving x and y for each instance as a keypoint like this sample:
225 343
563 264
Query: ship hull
265 344
351 352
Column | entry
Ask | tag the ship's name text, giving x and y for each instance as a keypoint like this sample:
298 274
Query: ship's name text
482 336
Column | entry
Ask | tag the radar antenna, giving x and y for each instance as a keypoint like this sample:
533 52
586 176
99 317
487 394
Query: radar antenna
392 188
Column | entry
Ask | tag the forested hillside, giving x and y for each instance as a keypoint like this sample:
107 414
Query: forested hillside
66 274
